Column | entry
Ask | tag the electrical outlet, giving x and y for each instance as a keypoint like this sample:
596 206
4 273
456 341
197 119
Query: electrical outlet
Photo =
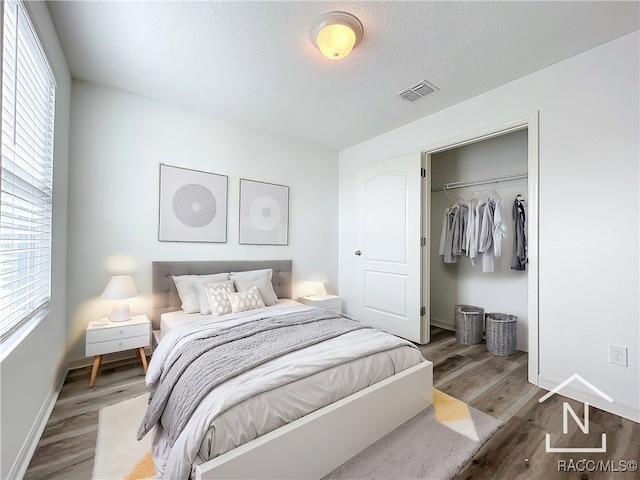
618 355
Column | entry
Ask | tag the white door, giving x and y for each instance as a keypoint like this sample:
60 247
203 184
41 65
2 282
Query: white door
389 273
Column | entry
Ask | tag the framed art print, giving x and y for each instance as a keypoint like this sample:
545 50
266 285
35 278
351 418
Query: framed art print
193 206
264 213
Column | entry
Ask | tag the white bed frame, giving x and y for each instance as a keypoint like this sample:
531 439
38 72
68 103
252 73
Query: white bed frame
318 443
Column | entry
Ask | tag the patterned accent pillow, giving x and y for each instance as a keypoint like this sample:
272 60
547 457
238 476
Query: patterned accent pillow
217 296
243 301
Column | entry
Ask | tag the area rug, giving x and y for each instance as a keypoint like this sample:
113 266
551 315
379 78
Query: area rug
435 444
119 456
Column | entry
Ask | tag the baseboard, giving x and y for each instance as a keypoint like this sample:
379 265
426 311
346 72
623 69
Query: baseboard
631 412
442 324
21 464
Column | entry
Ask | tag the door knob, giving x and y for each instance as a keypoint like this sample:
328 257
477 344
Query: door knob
358 252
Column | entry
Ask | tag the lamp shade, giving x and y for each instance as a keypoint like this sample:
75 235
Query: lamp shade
119 288
336 33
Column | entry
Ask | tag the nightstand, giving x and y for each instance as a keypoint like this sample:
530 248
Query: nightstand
105 337
332 303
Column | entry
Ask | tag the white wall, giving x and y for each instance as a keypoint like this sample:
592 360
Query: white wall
503 290
118 142
588 200
32 373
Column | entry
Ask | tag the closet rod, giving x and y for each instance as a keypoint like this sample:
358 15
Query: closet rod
482 181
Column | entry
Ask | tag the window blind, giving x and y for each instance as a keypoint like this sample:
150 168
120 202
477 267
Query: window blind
28 104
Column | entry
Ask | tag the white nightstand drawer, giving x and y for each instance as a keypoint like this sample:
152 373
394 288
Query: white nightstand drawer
102 348
105 337
111 332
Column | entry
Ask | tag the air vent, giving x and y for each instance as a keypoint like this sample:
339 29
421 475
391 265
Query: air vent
417 91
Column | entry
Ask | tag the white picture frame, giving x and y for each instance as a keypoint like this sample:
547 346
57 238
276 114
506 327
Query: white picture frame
264 213
193 205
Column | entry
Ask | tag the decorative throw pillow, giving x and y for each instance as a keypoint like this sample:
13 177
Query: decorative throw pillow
191 291
243 301
217 296
198 281
263 284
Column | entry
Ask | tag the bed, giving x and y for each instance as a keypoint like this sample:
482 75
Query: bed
299 415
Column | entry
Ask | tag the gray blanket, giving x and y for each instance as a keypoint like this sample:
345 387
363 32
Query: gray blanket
220 355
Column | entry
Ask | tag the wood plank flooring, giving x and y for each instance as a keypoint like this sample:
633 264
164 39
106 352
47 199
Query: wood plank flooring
495 385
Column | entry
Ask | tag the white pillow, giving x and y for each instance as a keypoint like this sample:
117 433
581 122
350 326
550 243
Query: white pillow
253 274
263 284
217 296
192 293
243 301
187 293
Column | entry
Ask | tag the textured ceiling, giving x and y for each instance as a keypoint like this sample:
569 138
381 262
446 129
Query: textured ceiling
252 62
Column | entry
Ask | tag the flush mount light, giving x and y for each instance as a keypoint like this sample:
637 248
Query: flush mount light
336 33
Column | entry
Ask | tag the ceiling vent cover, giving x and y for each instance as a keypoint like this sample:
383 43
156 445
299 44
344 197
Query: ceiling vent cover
417 91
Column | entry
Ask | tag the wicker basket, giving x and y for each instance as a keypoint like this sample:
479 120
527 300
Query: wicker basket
469 324
501 333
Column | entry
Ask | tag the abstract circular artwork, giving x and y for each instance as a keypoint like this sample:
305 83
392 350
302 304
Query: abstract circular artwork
194 205
265 213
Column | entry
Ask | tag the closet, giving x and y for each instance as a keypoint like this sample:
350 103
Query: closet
496 168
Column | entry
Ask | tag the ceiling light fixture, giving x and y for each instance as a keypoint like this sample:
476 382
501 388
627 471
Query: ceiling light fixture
335 34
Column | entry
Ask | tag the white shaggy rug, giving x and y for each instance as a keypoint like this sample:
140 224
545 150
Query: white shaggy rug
119 456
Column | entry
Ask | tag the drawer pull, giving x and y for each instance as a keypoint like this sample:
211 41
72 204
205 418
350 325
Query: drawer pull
121 332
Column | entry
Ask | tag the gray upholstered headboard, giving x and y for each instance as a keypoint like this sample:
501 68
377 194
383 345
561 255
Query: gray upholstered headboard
165 295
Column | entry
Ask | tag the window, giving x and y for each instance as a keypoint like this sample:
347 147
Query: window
28 102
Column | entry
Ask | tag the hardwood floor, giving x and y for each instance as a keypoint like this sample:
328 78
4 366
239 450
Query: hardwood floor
67 446
495 385
498 386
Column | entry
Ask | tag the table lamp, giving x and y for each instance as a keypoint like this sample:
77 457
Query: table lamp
120 287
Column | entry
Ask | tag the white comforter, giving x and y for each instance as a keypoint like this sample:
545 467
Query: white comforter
274 393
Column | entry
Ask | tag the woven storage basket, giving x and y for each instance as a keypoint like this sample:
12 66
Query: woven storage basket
469 324
501 333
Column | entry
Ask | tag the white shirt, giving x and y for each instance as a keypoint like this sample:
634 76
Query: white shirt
499 230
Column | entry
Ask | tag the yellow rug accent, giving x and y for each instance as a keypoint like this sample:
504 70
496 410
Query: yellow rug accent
449 409
143 470
454 414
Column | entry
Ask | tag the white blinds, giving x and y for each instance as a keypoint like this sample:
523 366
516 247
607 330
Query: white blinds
28 101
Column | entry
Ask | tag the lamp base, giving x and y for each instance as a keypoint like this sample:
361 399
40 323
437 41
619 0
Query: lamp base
120 313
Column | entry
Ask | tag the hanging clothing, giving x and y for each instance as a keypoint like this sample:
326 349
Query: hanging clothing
499 230
485 239
480 210
458 246
470 235
446 238
520 259
476 229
